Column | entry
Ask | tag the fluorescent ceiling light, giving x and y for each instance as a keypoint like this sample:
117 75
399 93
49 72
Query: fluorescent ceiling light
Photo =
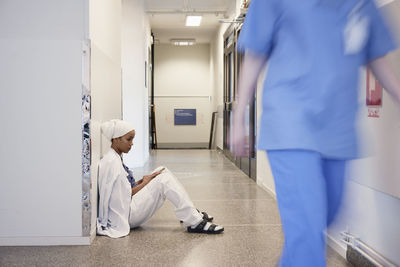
193 21
183 42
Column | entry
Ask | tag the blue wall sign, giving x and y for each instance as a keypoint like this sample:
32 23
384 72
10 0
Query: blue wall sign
185 116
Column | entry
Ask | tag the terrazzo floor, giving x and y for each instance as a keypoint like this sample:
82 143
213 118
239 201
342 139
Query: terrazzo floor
252 235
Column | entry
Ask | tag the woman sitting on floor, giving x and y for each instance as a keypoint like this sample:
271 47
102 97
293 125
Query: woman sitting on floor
125 203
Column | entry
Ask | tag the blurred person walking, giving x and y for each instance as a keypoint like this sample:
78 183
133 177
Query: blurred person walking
314 50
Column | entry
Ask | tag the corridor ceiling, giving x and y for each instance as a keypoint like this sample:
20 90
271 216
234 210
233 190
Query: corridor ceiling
167 18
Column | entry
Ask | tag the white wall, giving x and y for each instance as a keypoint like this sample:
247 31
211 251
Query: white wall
106 92
40 111
135 45
372 216
217 53
182 80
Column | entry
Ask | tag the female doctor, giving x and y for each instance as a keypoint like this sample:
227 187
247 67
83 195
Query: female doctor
125 203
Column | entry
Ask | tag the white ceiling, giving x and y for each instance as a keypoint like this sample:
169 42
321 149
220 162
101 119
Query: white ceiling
167 18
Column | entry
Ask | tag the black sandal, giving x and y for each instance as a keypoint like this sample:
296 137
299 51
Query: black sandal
205 217
200 228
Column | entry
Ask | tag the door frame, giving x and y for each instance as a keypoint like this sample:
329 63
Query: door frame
247 164
229 86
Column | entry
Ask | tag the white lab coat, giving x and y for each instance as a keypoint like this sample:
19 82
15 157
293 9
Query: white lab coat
119 211
115 197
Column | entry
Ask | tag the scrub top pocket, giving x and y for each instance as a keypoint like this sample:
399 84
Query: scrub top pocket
355 34
356 30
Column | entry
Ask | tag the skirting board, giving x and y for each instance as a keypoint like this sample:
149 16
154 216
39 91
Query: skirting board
45 241
269 191
182 145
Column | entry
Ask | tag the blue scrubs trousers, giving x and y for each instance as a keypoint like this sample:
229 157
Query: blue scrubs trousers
309 190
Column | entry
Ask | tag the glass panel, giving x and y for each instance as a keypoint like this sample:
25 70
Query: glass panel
255 129
229 40
247 130
230 132
230 97
231 77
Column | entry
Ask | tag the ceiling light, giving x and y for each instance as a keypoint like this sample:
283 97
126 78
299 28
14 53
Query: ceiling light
193 21
183 42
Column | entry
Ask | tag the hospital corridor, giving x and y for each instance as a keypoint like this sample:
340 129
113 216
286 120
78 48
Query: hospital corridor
200 133
252 236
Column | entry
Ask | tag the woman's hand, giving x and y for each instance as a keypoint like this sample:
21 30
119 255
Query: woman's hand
147 178
248 77
154 174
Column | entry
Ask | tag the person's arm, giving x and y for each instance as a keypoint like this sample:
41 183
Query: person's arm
250 70
385 75
145 180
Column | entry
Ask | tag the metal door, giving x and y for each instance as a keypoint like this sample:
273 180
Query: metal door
232 65
229 89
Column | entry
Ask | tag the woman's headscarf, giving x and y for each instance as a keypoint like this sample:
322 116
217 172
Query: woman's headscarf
115 128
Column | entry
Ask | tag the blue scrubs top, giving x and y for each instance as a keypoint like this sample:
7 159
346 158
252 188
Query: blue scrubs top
315 49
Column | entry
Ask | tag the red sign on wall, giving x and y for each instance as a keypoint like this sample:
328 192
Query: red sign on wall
374 95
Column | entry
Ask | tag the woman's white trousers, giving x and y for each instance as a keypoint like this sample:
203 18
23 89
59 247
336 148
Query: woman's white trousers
151 197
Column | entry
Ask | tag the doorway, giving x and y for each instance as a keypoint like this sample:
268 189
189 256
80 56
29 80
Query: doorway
232 64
